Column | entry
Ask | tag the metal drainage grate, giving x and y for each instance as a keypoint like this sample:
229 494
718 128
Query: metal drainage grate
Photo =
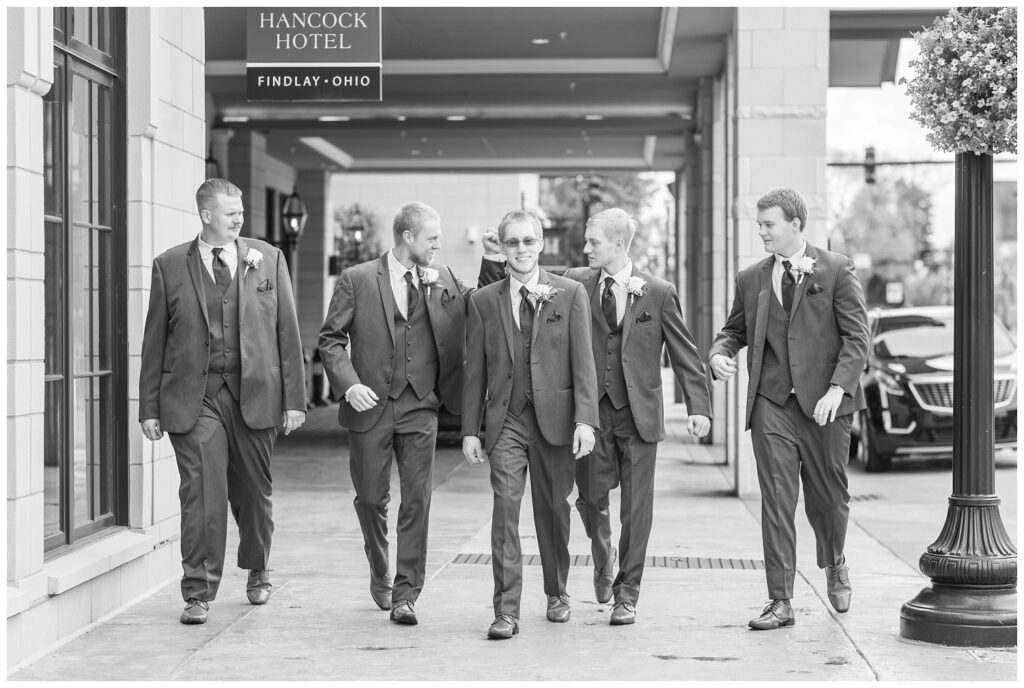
654 562
864 497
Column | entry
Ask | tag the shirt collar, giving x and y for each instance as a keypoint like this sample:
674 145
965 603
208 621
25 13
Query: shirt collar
530 284
621 277
794 259
228 247
398 270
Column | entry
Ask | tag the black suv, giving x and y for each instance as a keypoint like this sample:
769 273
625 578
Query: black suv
908 383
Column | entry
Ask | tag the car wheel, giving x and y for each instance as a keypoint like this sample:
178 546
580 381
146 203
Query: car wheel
874 460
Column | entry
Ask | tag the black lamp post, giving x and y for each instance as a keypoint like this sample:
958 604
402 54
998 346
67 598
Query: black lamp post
293 221
212 166
973 564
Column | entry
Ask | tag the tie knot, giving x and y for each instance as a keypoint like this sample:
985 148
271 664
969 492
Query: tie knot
524 292
408 277
217 251
609 282
787 265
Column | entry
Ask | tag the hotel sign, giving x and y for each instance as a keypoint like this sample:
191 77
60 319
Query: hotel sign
313 53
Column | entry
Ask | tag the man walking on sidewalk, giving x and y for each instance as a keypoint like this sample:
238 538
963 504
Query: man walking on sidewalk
392 344
221 374
634 317
530 381
801 311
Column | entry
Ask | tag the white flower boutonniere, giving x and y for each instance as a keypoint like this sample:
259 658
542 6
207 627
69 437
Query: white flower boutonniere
804 267
428 276
635 288
543 293
253 259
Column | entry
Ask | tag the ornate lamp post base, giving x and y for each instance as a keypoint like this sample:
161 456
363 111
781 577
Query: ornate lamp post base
961 616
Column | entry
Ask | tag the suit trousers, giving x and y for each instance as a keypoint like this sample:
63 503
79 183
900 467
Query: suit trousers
521 446
790 447
619 456
407 431
220 461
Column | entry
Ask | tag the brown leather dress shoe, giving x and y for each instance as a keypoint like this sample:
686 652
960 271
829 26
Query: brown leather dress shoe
380 591
258 587
776 614
402 613
503 628
838 581
558 608
195 612
603 580
623 614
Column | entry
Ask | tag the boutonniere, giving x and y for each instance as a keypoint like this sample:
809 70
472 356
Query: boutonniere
253 259
635 287
543 293
428 276
804 267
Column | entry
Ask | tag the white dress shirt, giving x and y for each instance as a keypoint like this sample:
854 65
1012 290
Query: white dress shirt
514 285
229 255
777 269
399 287
618 288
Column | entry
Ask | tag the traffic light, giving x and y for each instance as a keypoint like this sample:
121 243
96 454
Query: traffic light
869 165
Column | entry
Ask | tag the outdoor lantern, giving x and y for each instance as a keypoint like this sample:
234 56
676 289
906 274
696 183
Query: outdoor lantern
293 215
212 166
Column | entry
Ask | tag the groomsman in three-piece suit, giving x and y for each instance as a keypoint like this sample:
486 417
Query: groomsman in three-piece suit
392 343
801 311
221 373
530 381
634 317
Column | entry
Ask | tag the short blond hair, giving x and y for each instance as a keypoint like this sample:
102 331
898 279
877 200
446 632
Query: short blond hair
520 216
616 223
211 188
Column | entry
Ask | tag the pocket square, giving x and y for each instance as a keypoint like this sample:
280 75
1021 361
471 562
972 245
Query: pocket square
815 288
554 317
446 298
265 286
645 317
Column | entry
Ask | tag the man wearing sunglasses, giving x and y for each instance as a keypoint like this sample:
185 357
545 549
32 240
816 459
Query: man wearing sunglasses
531 382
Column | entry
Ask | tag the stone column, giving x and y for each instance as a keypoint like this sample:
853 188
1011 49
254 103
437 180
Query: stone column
780 77
246 168
313 288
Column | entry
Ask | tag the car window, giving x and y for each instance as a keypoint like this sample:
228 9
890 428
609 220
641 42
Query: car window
926 337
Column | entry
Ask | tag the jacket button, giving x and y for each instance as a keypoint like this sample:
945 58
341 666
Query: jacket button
409 358
607 384
607 367
510 376
504 402
204 372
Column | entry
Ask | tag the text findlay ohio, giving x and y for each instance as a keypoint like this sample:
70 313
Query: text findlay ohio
314 80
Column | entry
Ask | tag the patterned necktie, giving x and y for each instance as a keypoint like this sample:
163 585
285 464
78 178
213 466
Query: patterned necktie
221 272
608 305
788 286
414 295
525 314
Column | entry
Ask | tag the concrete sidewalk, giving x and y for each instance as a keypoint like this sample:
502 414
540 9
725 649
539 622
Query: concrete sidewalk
697 596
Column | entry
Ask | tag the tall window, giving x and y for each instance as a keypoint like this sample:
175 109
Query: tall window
84 134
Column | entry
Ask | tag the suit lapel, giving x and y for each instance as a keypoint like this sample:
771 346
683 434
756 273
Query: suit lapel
594 289
386 295
799 290
627 318
240 273
764 293
505 313
195 264
542 278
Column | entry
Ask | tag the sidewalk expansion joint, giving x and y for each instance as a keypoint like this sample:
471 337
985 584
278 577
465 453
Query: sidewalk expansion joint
481 559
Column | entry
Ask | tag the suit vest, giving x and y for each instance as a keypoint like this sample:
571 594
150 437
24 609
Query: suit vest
611 379
416 359
776 377
522 376
225 365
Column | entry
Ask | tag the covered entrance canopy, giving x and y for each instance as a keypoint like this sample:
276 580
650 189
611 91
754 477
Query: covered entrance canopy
540 89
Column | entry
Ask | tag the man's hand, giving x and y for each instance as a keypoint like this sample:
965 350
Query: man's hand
473 450
723 368
292 420
582 440
151 429
361 397
825 409
490 241
698 425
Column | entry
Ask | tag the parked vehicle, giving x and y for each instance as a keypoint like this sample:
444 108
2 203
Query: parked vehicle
908 383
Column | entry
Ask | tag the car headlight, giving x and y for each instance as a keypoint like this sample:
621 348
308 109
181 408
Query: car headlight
889 383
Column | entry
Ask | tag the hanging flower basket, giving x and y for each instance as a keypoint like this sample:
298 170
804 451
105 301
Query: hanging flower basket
965 91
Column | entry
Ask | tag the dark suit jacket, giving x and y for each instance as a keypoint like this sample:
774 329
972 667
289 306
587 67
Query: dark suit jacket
828 329
652 320
564 380
362 313
176 341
